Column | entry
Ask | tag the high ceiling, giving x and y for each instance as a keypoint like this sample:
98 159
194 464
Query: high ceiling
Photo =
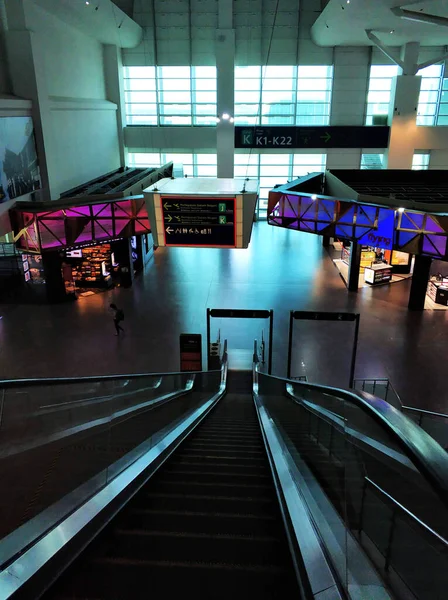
343 23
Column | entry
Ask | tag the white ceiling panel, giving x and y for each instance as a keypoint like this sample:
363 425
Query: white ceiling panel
342 23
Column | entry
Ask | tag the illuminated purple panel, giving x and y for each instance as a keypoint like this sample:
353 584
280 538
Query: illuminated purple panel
435 245
103 228
103 210
85 236
52 233
431 225
307 208
287 210
120 224
123 208
78 211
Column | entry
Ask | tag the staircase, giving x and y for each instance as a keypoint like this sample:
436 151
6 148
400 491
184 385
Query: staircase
208 523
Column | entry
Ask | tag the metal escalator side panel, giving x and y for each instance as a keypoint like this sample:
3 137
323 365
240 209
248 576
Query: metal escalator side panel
312 568
76 530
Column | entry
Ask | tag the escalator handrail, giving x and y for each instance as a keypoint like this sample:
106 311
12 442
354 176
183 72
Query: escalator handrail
10 383
28 560
426 454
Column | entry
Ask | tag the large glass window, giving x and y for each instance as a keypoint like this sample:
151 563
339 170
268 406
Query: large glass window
170 95
380 85
420 161
273 169
372 161
283 95
430 94
431 99
442 118
190 164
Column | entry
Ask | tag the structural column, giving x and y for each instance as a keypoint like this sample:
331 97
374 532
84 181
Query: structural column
28 81
420 277
113 69
353 267
225 64
403 122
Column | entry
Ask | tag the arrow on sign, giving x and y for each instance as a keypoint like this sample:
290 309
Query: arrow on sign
167 206
176 206
326 137
169 218
169 230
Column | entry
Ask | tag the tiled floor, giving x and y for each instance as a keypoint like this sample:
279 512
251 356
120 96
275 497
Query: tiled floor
283 270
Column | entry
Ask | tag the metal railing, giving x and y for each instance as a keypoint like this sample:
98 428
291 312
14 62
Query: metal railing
434 423
393 541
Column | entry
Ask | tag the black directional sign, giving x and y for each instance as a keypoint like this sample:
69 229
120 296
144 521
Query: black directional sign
312 137
199 221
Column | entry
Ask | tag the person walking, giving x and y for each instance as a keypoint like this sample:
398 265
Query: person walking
118 317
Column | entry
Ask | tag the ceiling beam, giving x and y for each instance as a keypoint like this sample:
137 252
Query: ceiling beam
387 50
420 17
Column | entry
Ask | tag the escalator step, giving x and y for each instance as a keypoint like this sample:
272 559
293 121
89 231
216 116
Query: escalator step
234 490
245 523
204 503
198 547
212 476
214 457
107 579
193 464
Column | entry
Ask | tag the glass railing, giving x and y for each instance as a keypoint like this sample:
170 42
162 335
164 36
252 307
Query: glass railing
434 423
375 483
61 441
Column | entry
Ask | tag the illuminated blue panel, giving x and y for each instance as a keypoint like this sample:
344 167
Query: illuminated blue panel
344 231
366 215
411 221
383 235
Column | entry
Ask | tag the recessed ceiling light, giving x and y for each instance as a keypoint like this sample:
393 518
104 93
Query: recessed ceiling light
400 210
392 31
87 2
226 116
348 1
314 197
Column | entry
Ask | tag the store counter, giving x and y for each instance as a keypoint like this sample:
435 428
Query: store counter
377 274
438 291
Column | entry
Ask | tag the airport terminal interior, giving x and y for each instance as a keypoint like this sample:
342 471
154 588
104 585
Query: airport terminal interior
223 299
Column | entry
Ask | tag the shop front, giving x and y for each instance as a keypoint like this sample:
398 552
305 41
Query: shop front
378 266
75 251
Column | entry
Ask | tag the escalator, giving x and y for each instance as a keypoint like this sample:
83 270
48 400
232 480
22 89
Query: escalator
208 522
240 484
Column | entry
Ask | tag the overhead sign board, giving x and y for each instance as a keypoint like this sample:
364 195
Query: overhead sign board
199 221
312 137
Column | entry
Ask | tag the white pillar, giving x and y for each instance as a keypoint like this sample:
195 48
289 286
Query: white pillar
225 65
113 75
403 122
28 81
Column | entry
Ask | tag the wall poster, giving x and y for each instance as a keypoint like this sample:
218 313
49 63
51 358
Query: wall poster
19 167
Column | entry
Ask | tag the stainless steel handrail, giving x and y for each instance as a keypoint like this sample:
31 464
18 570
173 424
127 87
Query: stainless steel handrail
426 412
91 379
407 512
427 455
403 406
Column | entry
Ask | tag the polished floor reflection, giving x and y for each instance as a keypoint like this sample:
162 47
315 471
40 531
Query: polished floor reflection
283 270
